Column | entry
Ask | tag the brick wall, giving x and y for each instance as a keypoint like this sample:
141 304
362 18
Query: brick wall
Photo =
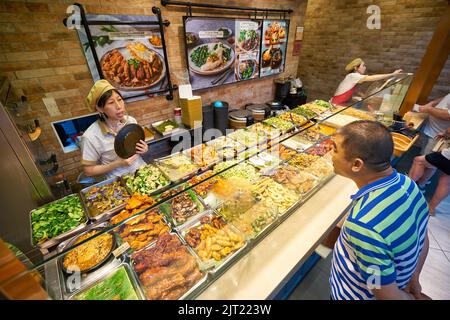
335 33
42 58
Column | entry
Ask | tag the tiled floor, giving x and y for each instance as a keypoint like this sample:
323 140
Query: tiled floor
435 275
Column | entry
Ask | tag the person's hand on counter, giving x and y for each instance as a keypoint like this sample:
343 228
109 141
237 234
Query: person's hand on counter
141 147
129 161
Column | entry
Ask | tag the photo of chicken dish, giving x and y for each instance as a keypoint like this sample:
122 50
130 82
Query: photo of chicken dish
133 67
211 58
275 33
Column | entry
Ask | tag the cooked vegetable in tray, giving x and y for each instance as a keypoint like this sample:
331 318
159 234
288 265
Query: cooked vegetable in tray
116 286
296 119
279 124
242 170
274 194
167 270
213 240
282 152
56 218
303 111
293 179
165 126
247 138
103 198
90 254
146 180
265 129
315 107
224 142
177 167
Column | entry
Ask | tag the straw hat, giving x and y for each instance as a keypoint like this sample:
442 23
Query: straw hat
353 64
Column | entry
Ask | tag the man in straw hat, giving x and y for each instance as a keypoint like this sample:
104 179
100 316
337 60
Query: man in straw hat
356 75
98 156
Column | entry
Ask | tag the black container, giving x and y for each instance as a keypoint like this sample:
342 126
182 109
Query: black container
282 88
208 117
296 99
221 116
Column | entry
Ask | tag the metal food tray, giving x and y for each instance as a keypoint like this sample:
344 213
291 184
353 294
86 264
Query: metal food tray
109 271
239 149
266 230
121 241
191 290
172 222
174 130
261 169
187 153
154 192
108 213
211 266
261 140
271 171
160 163
269 135
63 236
89 275
283 131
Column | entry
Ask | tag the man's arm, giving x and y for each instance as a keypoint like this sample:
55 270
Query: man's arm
443 114
391 292
414 286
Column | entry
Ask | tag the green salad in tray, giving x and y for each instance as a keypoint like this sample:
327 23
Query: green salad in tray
147 180
323 103
117 286
166 126
56 218
309 114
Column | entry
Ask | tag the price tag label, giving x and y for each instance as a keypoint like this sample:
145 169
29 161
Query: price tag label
121 250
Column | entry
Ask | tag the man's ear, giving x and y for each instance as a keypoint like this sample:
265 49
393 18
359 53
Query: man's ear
357 165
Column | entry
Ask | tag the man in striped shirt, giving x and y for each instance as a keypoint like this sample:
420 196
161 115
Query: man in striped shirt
383 242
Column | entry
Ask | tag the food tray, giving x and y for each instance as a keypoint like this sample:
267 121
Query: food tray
155 191
166 209
166 133
224 142
109 272
119 230
63 236
280 124
215 159
273 171
254 234
172 171
296 119
264 160
269 131
247 138
213 266
191 291
93 214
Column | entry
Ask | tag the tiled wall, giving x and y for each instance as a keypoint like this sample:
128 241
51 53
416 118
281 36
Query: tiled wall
336 32
42 58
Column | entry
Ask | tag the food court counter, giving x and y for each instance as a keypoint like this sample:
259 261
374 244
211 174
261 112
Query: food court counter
270 264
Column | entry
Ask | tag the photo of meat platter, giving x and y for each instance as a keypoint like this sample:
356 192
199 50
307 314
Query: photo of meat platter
130 56
274 46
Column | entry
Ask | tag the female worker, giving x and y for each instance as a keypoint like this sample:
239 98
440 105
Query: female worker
97 143
347 87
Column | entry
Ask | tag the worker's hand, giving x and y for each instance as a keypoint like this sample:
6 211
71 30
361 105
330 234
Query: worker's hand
141 147
397 71
128 162
444 134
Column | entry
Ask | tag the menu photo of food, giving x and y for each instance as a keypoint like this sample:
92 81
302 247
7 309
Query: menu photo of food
247 49
130 57
210 49
274 46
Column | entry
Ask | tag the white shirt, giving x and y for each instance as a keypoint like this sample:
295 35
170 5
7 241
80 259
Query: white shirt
349 82
435 125
446 153
97 147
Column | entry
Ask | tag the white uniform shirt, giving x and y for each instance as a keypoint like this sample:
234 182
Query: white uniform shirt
434 125
349 82
97 147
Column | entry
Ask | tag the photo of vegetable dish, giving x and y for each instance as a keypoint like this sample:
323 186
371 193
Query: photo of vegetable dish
90 254
132 67
246 69
211 58
248 40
